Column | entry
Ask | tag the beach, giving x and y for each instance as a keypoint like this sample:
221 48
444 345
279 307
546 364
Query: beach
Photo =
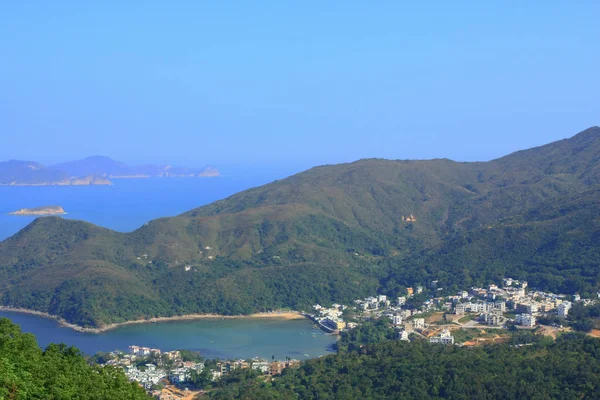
283 315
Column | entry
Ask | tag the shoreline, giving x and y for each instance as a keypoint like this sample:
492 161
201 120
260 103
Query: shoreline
33 214
285 315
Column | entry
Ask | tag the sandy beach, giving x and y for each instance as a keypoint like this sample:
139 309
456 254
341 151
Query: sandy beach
286 315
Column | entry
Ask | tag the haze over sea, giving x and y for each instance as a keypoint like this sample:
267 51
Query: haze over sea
128 204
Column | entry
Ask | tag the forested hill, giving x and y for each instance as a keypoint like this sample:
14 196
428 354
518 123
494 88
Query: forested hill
332 233
566 369
58 372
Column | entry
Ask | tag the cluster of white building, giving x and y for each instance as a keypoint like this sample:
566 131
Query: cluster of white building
373 302
147 351
149 377
184 373
330 319
490 304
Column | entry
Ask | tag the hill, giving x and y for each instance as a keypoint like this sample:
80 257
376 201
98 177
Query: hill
330 234
107 167
58 372
566 369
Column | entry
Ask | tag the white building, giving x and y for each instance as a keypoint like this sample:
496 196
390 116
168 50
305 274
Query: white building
262 366
525 320
401 300
563 309
419 323
443 338
533 308
397 320
494 318
144 351
179 375
403 335
477 307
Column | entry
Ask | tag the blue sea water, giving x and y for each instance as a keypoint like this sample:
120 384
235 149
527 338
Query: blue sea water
213 338
127 204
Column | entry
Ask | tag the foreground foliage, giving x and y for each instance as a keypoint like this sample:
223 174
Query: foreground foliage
566 369
59 372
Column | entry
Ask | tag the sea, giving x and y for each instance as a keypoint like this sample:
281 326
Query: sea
125 206
225 339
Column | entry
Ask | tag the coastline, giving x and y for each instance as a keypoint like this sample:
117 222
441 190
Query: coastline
82 182
53 184
36 214
285 315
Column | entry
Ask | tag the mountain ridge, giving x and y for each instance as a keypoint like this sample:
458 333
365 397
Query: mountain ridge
329 234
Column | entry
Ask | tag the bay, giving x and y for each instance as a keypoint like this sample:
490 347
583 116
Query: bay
214 338
128 204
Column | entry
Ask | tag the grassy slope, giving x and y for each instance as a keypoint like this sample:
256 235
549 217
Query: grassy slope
332 233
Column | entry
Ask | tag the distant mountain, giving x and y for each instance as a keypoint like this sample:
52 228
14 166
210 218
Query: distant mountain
330 234
29 173
95 170
99 165
112 169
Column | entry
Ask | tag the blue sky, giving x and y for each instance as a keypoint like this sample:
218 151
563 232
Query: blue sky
282 83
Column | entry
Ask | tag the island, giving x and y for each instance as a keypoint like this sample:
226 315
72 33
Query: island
47 210
96 170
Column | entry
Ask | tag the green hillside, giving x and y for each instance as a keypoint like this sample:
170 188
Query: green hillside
58 372
332 233
566 369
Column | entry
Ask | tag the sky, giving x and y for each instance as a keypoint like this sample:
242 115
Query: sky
293 83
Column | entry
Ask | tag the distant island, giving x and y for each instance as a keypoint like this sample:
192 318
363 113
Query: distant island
332 234
96 170
47 210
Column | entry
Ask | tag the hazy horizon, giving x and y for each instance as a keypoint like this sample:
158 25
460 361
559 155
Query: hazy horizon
297 167
293 86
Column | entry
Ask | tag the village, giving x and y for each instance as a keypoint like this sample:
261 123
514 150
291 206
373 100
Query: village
171 375
166 375
513 305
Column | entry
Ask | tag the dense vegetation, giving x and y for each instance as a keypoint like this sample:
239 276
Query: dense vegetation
59 372
566 369
330 234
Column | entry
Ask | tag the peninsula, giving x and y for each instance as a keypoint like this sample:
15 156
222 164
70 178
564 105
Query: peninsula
332 234
47 210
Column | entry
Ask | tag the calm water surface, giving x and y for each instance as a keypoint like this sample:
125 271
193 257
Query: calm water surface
125 206
213 338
